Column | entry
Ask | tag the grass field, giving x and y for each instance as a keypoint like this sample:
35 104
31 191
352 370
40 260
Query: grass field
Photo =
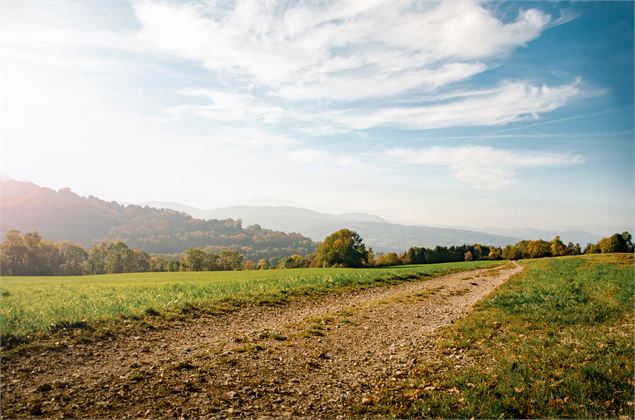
555 341
37 304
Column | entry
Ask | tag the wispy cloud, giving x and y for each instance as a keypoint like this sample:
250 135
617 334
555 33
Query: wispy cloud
481 166
326 68
335 50
511 102
227 107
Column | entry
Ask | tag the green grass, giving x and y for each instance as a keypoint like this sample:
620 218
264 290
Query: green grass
36 304
555 341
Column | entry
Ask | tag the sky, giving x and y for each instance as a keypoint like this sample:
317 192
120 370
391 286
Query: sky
457 113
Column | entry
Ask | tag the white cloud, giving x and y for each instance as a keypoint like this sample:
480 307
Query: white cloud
512 101
307 155
481 166
249 139
227 107
340 51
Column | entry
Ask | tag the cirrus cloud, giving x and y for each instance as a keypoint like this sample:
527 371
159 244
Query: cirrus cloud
367 48
482 167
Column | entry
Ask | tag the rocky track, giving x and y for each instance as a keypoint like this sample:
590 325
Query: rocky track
312 357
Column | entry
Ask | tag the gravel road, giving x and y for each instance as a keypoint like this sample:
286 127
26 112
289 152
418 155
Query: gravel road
311 357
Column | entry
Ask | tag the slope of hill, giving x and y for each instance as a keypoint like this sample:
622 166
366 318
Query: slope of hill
377 232
65 216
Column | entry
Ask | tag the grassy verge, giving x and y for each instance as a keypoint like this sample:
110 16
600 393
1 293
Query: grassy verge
555 341
37 304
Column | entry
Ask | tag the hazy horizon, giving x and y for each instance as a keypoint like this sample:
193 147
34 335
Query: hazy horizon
510 115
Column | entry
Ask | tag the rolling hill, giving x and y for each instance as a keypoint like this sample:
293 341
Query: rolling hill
65 216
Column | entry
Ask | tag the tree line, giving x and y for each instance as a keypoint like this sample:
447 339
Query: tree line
29 254
618 242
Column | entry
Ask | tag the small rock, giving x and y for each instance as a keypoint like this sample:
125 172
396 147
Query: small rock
231 395
44 387
367 401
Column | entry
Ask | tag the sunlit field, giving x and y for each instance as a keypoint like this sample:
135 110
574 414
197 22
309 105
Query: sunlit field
554 341
31 304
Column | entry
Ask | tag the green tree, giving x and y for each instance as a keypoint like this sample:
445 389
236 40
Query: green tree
158 263
229 260
628 241
74 259
343 248
613 243
195 259
174 266
13 254
557 247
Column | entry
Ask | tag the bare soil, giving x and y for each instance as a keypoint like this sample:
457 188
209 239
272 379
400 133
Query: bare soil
315 356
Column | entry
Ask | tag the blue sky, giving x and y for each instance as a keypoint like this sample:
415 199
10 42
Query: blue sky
504 114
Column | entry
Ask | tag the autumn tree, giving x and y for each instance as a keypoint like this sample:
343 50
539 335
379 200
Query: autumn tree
294 261
343 248
263 264
387 259
557 247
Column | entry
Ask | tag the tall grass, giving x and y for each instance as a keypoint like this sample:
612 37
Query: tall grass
30 304
555 341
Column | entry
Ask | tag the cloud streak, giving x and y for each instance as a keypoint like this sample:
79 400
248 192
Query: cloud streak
482 167
511 102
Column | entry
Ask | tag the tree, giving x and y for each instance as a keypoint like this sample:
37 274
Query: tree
538 249
174 266
195 259
263 264
343 248
389 259
477 252
494 253
294 261
591 249
613 243
74 259
414 255
229 260
557 247
13 254
468 256
158 263
628 241
250 265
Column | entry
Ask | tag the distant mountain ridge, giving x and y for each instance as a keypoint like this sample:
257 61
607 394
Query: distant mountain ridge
65 216
376 231
271 231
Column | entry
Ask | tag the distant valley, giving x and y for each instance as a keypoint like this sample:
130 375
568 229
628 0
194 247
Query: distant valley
376 231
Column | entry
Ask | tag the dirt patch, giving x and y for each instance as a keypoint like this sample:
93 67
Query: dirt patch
314 356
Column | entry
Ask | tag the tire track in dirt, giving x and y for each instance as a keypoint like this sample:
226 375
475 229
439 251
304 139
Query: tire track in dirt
313 357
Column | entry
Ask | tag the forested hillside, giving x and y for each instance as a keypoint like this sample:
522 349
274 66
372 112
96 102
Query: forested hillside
65 216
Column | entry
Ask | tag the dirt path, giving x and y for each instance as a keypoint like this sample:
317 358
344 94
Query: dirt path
314 357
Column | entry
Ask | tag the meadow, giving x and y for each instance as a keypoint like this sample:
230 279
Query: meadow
40 304
554 341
